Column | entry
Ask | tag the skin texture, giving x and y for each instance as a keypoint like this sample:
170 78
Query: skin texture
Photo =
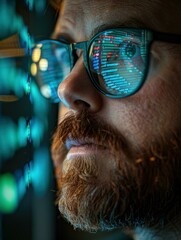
151 117
127 112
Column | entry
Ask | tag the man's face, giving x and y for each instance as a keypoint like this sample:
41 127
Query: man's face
117 159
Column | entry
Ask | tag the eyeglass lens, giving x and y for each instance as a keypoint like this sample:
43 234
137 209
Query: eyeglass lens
117 63
52 66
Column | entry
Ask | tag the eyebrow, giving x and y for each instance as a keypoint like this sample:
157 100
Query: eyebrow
131 23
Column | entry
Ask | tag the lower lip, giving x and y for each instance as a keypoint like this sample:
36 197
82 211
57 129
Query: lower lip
84 150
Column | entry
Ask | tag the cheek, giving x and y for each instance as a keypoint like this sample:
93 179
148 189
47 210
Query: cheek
163 96
153 112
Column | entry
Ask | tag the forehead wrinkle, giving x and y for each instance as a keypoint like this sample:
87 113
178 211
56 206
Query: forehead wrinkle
137 19
68 20
144 14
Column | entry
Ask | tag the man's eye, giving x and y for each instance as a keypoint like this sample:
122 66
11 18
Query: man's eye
130 50
125 51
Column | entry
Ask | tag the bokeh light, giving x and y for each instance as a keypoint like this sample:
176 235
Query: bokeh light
36 54
8 138
39 5
24 122
40 171
45 91
27 174
8 193
13 136
38 128
43 64
39 102
21 184
13 80
33 69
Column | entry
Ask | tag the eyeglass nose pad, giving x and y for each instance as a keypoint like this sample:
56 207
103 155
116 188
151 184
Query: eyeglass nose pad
80 47
79 50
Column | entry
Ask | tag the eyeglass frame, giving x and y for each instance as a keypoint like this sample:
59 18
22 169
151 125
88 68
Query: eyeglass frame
85 46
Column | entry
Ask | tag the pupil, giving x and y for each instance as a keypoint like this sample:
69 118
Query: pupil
130 50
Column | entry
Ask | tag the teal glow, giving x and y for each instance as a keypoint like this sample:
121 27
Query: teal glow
21 183
39 102
21 188
25 37
30 4
12 136
8 193
10 25
17 79
28 132
23 180
27 175
21 131
38 128
39 123
38 4
13 24
40 171
27 87
8 138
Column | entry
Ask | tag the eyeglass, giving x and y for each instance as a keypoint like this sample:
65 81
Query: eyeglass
116 60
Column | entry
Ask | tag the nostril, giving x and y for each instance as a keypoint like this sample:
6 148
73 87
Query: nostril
81 104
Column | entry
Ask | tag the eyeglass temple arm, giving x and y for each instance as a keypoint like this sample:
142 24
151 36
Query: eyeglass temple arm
167 37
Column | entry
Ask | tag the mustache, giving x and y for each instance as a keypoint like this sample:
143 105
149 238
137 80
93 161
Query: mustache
140 190
85 126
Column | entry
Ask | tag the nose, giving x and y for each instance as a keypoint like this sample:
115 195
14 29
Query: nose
77 92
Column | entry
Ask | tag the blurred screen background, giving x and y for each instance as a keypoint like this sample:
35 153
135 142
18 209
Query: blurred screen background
27 120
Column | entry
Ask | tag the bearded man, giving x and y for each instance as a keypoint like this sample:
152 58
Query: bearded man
117 147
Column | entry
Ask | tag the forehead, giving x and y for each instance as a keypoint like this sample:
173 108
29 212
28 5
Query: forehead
79 18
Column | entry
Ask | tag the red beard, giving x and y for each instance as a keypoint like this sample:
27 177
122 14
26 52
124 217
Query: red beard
140 189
